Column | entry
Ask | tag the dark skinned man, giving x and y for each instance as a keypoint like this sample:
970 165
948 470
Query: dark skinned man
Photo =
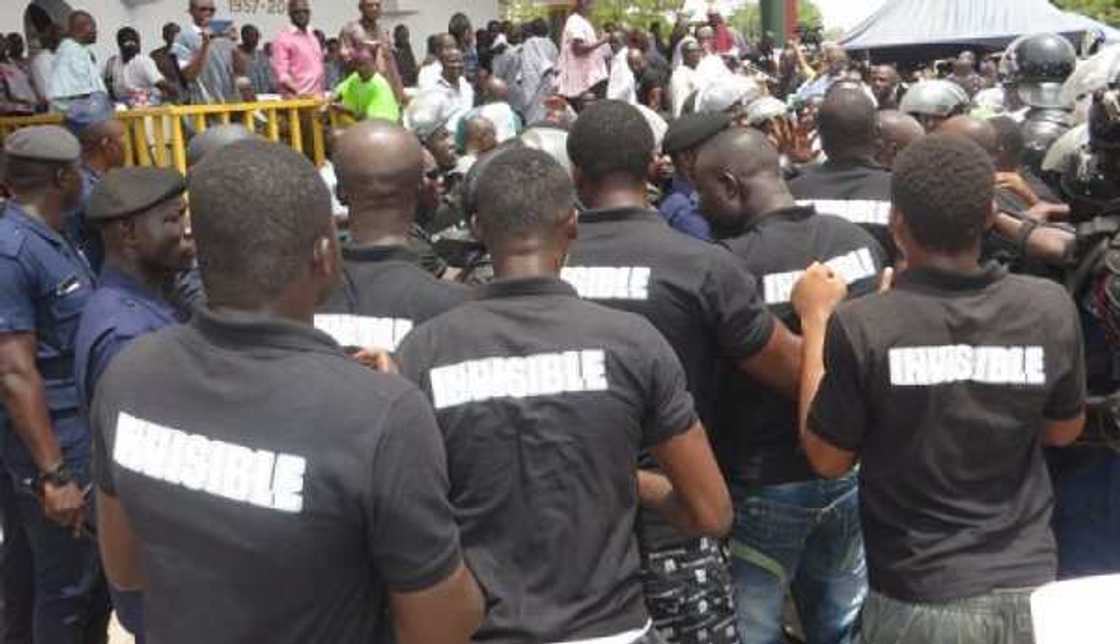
103 138
897 130
704 303
945 389
385 291
819 557
44 286
851 183
339 463
559 395
141 216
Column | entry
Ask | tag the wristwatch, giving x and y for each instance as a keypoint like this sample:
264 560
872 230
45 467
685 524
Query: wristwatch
57 476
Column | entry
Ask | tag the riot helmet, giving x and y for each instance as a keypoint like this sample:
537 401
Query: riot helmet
1038 65
932 102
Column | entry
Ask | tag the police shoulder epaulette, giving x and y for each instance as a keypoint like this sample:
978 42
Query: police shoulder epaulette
11 242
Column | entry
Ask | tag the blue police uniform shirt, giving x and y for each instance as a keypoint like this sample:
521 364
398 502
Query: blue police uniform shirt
44 286
120 310
87 239
682 210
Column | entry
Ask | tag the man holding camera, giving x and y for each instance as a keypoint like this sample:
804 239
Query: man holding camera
205 51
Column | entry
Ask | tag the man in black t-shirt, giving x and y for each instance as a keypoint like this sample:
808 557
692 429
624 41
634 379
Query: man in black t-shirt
819 553
700 298
256 483
945 389
851 183
384 291
545 401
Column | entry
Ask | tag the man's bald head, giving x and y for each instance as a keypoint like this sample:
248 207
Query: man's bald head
847 124
978 131
897 130
739 177
380 167
495 90
214 139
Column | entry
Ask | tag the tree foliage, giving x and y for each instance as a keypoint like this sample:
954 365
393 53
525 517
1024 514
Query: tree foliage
748 18
639 13
1106 11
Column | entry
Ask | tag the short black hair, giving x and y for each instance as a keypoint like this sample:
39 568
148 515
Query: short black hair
1009 136
543 198
943 185
539 28
847 120
257 210
611 138
459 26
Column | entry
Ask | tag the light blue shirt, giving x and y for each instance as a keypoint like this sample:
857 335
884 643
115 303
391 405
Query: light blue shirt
74 73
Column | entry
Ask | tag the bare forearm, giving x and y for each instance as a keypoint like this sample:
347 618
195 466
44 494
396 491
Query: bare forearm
656 493
26 401
1044 243
120 550
813 329
194 69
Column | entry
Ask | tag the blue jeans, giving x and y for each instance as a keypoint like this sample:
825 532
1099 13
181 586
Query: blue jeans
71 596
1087 517
999 617
802 538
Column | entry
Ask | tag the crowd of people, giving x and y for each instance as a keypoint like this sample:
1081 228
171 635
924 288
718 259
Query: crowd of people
612 338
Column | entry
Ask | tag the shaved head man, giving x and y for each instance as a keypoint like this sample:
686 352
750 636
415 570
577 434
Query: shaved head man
745 198
980 132
385 290
380 168
847 124
897 130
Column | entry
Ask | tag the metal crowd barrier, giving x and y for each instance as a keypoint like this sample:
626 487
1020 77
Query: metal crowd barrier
158 136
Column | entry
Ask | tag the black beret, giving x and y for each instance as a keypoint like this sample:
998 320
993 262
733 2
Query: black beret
43 143
130 191
692 130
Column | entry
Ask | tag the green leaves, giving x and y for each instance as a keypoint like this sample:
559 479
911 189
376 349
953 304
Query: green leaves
1106 11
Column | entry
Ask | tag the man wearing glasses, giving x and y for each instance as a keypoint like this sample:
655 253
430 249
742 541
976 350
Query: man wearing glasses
205 56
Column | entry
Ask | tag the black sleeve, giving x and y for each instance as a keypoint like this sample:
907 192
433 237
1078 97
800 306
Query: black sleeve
411 527
670 410
839 412
1067 398
103 427
743 322
410 359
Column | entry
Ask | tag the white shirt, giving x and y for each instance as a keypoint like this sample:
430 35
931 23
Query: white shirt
684 82
136 82
429 76
621 85
462 96
41 71
74 72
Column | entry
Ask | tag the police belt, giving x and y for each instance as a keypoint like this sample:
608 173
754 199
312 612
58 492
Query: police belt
56 368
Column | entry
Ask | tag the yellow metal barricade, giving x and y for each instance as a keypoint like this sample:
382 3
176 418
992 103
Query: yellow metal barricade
158 136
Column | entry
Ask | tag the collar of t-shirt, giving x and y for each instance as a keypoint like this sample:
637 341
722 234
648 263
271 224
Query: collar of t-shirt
794 213
391 253
524 287
942 280
604 215
842 165
242 330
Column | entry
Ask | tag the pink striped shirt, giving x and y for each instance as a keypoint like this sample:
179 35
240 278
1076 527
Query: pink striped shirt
297 60
579 73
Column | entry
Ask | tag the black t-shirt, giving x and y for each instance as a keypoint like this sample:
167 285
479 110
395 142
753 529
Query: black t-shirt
545 401
944 386
383 295
278 489
695 293
860 193
757 431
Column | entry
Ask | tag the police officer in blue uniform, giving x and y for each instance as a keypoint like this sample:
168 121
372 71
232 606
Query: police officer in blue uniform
45 283
102 137
139 214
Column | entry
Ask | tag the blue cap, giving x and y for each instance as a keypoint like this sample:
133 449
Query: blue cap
89 111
